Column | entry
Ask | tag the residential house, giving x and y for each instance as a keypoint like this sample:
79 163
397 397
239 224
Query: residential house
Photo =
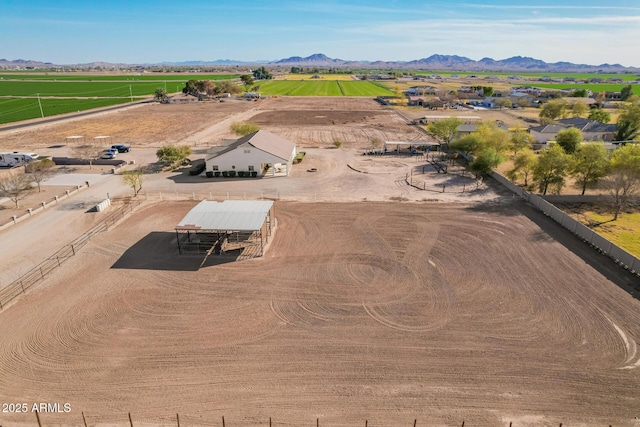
182 98
422 90
573 99
255 152
591 130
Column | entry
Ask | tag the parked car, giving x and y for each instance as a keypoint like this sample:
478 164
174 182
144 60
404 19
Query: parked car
109 154
121 148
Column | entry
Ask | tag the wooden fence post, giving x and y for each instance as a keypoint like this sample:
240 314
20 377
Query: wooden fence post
84 420
223 421
38 418
130 421
415 421
178 419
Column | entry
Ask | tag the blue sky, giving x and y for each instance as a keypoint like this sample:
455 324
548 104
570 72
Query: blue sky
146 31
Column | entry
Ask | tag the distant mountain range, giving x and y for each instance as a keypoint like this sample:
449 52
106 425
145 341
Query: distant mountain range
456 63
319 60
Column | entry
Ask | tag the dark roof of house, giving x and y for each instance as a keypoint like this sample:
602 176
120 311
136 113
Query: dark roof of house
586 125
548 128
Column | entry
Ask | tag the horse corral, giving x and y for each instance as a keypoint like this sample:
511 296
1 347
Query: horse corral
386 312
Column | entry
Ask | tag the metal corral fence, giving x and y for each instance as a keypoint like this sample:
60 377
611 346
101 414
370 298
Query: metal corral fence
40 271
615 252
275 195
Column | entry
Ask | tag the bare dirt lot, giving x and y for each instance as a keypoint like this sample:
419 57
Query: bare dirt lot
308 121
386 312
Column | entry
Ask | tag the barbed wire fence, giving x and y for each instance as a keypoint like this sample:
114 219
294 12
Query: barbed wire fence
129 420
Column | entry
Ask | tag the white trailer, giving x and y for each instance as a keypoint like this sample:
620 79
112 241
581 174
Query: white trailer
15 158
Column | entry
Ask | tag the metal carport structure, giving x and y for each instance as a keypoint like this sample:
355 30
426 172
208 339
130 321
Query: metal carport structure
210 224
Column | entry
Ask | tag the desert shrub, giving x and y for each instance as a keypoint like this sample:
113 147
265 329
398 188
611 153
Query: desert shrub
244 128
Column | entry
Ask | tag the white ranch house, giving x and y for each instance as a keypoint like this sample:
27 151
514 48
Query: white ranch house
255 152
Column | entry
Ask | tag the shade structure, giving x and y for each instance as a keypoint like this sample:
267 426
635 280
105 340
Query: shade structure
236 215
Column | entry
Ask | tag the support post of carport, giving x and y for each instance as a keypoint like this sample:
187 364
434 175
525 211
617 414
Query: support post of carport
272 213
178 240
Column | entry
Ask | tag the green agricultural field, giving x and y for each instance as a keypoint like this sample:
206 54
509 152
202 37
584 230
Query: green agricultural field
594 87
355 88
322 88
582 76
17 109
322 76
82 89
158 77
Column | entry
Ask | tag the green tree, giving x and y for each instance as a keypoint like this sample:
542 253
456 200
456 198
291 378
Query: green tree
487 91
626 92
624 180
244 128
494 136
134 179
40 170
569 140
468 144
262 74
247 81
486 161
445 130
579 109
628 124
226 87
550 169
520 140
503 102
523 165
160 94
205 86
173 154
599 115
487 135
15 188
191 87
580 93
591 162
554 109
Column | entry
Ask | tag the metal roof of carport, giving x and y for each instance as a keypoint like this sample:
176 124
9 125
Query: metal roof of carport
230 215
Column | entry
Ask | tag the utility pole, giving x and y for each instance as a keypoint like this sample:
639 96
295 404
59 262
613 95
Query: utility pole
40 104
131 93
